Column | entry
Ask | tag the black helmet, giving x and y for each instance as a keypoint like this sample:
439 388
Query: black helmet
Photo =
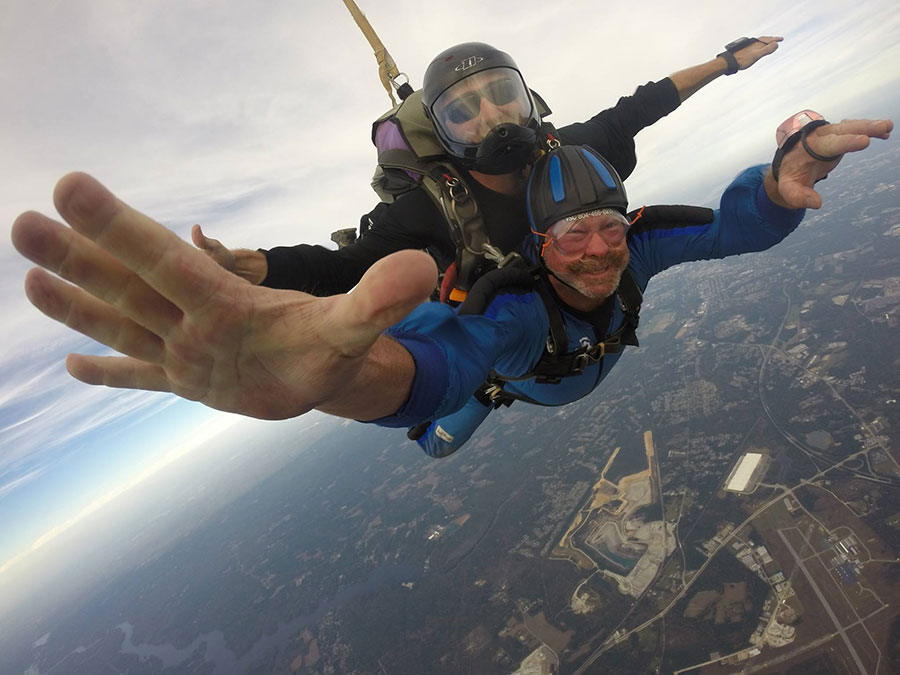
570 180
451 106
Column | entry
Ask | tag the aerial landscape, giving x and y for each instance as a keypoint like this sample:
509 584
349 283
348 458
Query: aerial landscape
726 502
723 501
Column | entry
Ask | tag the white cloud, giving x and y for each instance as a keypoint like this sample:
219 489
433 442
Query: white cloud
22 480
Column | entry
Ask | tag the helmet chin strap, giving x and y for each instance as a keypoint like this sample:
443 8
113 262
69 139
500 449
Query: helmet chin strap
565 283
556 276
543 264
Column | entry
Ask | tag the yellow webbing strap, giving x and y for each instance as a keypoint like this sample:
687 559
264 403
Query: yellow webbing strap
387 69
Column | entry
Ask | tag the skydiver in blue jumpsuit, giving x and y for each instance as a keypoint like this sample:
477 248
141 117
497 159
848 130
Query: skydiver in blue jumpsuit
454 352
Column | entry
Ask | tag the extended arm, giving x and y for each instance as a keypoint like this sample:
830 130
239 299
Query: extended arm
188 326
755 212
691 80
411 222
611 132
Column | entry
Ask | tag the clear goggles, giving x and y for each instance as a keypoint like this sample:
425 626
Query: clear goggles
794 124
571 235
460 104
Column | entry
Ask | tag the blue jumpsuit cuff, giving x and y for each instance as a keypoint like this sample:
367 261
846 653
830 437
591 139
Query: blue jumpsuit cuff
429 384
773 214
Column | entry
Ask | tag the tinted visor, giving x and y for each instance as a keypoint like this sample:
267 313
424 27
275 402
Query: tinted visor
459 109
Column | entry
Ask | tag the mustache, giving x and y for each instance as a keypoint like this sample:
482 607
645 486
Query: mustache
594 264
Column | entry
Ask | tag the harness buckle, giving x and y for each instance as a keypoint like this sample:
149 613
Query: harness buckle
588 356
581 361
493 392
494 254
493 395
456 188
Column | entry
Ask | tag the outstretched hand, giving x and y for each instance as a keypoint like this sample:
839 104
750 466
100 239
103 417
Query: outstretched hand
187 326
799 170
753 52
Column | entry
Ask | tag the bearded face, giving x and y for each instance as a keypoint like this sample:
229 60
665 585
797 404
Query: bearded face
596 273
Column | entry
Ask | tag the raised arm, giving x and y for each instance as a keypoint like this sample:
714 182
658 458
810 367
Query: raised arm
188 326
755 212
611 132
691 80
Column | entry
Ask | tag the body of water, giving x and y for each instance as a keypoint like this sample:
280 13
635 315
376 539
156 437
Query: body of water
216 650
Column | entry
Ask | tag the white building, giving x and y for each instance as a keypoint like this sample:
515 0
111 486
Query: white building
740 476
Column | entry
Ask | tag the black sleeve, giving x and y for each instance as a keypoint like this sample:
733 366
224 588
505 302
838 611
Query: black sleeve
612 131
412 221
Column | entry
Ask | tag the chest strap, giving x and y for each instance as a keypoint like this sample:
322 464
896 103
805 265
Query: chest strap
555 363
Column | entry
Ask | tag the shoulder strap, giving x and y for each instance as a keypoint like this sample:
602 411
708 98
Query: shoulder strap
515 278
556 363
630 298
518 277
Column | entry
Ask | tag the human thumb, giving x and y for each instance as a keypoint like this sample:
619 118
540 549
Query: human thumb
388 291
198 237
797 195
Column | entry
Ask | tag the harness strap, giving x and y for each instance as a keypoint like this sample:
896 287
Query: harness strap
558 338
630 297
553 365
388 72
446 185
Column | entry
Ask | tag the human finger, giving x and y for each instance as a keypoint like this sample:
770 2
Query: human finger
798 195
121 372
73 257
764 47
389 290
872 128
82 312
834 145
770 39
175 269
756 50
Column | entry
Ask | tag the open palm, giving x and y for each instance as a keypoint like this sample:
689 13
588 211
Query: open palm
187 326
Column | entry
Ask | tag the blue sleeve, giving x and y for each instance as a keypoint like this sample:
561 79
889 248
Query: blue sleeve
455 353
746 221
448 434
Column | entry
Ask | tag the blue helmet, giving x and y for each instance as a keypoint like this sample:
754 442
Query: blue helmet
570 180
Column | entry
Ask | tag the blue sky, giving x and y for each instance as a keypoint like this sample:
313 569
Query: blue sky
254 120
